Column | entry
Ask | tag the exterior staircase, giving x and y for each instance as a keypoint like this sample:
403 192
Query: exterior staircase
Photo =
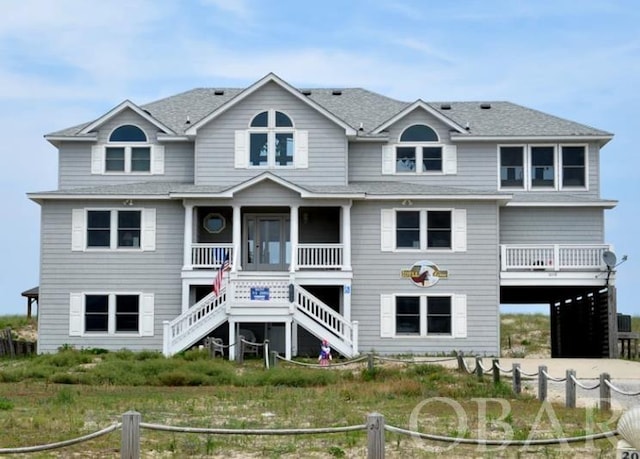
306 310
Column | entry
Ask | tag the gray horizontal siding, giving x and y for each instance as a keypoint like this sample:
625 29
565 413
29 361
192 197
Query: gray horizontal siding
64 271
474 273
558 225
74 166
215 142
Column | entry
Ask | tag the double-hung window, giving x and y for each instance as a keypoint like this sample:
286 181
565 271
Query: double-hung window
418 151
128 151
543 167
425 229
113 229
111 314
423 315
271 140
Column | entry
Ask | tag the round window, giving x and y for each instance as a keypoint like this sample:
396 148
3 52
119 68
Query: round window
214 223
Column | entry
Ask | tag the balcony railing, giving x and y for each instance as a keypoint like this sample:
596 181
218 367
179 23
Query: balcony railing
210 255
553 257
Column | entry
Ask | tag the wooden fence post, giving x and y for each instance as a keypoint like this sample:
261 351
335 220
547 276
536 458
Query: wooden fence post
267 360
479 368
496 371
370 363
542 383
130 447
571 389
605 392
274 358
375 436
517 383
240 348
460 358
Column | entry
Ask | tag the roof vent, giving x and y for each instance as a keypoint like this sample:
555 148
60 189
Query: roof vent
485 106
445 106
336 92
467 126
306 92
188 120
218 92
147 111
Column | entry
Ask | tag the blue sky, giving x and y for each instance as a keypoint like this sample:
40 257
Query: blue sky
69 61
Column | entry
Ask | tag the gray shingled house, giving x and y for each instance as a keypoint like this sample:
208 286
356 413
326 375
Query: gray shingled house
380 225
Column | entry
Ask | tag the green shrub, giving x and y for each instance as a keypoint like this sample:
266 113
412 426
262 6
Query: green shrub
5 404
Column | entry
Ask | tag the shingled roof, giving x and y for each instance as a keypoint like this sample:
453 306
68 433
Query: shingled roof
360 108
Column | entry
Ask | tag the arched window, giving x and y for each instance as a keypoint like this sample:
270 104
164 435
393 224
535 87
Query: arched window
128 133
417 151
126 151
271 139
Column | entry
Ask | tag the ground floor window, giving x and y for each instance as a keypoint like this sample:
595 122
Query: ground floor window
423 315
111 313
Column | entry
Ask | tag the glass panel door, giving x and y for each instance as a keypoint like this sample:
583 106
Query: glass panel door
267 242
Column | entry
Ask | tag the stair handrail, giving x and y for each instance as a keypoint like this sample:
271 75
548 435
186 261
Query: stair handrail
346 328
193 316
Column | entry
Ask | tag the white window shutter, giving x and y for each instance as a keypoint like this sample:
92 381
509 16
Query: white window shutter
459 316
450 159
75 314
147 324
148 229
157 159
78 229
387 225
241 150
301 155
97 159
388 163
460 230
387 316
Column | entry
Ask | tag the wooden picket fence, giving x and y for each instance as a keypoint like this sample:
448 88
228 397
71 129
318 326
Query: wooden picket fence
10 347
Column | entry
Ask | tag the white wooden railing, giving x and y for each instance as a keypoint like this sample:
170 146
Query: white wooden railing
327 317
194 323
327 256
243 291
210 255
553 257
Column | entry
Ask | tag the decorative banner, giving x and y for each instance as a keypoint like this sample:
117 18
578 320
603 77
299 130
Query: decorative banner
424 273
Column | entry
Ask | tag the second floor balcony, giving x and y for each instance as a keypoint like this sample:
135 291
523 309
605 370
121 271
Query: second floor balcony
553 257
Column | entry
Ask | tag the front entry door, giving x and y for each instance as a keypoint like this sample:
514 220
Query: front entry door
267 242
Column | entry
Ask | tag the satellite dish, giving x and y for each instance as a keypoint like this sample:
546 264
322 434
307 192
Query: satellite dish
609 258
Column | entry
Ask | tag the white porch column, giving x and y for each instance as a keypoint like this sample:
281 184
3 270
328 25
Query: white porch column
188 235
346 302
293 239
346 237
232 340
287 340
237 239
185 295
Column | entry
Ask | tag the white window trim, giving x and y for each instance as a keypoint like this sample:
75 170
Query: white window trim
79 230
557 164
300 144
458 316
388 229
99 159
77 310
448 158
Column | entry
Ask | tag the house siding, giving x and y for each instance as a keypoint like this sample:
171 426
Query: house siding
64 271
214 155
557 225
473 273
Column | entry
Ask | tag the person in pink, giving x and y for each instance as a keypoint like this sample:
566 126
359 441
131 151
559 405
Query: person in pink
325 354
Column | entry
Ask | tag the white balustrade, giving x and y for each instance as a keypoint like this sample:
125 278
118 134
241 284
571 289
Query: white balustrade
553 257
210 255
320 256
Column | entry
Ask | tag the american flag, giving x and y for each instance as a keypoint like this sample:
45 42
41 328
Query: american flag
217 282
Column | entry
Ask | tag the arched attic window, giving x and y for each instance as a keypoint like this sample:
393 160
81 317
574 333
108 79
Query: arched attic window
127 152
271 140
416 152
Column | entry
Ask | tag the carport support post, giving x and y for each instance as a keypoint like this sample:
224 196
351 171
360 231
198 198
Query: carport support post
479 368
605 392
571 389
375 436
496 371
542 383
517 386
130 446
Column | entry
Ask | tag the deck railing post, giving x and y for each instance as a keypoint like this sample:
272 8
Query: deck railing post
605 392
130 446
517 382
375 436
571 389
496 371
542 383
